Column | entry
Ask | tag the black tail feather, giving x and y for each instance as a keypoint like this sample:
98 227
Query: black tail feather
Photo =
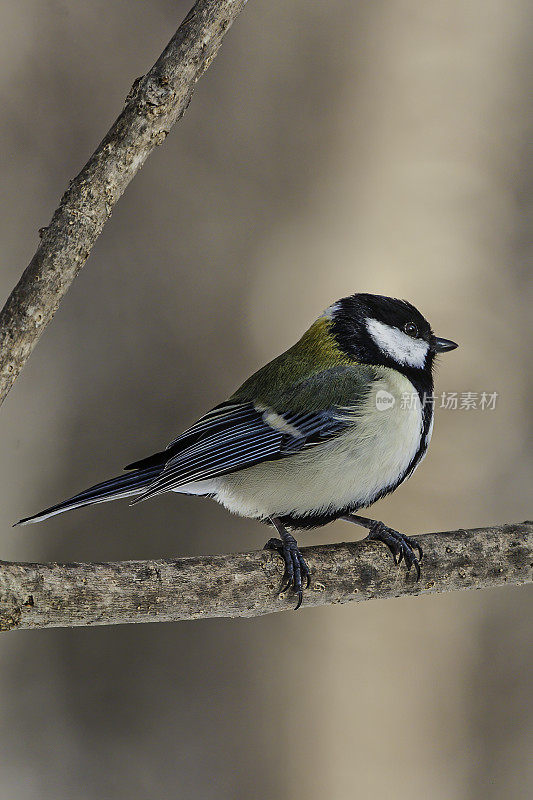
157 460
113 489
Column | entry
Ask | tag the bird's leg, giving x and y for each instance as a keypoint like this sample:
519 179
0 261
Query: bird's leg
401 546
296 569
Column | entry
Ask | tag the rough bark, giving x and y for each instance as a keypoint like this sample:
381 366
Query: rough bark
246 584
156 101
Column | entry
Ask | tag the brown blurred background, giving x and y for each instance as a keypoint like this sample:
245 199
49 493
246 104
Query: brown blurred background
332 147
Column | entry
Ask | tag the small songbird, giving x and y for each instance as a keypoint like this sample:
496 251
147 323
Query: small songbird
336 422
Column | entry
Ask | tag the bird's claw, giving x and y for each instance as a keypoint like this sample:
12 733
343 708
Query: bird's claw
402 547
297 575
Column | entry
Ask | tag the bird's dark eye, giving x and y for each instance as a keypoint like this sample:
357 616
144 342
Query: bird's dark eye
411 329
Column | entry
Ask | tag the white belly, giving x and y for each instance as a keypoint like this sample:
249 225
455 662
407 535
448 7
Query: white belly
350 470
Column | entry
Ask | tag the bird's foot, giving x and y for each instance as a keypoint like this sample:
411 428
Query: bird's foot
296 575
401 546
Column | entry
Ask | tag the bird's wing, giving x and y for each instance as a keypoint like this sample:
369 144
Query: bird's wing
241 432
238 437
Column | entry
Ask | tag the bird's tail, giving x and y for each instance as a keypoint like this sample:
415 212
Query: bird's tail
123 486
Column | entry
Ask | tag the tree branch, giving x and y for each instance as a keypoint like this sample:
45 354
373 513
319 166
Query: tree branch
155 102
245 584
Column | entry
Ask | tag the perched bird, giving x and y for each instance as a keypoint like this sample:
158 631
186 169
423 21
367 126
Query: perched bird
336 422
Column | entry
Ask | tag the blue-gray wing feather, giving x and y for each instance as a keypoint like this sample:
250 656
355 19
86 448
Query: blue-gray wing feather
237 435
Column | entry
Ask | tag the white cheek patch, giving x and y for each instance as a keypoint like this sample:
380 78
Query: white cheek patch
398 345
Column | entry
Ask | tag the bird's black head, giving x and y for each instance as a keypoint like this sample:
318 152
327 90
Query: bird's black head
381 330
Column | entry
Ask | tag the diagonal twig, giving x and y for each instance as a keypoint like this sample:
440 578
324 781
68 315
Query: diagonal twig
155 102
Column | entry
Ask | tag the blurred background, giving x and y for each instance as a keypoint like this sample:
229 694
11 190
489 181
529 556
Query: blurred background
331 147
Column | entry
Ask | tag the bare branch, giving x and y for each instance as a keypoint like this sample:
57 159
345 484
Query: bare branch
155 102
245 584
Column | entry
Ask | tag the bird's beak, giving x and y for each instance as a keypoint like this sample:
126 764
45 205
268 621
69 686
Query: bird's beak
443 345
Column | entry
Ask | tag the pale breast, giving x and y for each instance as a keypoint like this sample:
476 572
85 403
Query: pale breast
352 469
